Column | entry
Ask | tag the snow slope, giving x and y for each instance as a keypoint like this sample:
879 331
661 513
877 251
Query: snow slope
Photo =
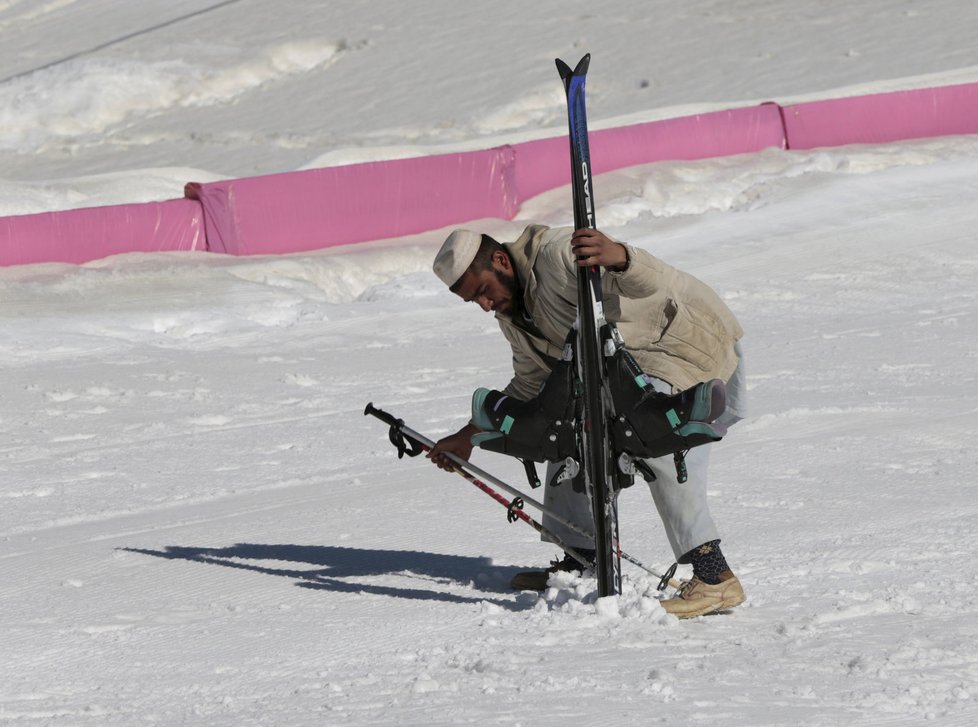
198 526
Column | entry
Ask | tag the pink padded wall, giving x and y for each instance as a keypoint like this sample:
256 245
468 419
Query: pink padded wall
883 117
77 236
321 208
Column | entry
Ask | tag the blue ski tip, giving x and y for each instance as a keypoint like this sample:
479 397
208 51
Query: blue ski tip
582 66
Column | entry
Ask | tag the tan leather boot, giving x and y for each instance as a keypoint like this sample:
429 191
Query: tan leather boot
696 598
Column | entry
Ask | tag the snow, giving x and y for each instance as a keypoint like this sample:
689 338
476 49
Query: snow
199 526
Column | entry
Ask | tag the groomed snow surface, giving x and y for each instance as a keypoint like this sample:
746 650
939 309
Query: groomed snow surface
199 526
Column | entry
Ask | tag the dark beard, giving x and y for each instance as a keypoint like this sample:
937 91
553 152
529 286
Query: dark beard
509 282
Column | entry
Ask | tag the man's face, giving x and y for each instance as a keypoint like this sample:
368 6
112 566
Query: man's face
494 289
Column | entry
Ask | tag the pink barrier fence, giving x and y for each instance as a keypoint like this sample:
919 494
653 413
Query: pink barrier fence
77 236
321 208
883 117
340 205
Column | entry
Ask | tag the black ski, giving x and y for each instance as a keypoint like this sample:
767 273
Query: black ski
596 452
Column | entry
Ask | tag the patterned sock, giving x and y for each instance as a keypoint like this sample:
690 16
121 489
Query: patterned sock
708 562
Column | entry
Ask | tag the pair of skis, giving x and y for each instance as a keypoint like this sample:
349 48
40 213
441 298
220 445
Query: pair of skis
598 459
603 470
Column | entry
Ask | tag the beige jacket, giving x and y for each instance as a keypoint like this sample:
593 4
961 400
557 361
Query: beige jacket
675 326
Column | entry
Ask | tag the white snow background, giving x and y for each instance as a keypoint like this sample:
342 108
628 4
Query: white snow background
198 526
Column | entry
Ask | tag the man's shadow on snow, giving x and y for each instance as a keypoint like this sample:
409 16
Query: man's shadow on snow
345 570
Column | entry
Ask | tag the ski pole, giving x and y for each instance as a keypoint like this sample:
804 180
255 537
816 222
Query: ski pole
418 443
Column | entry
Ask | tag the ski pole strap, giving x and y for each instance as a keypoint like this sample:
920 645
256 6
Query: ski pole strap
403 443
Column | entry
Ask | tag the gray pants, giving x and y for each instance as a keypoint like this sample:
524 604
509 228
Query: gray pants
682 507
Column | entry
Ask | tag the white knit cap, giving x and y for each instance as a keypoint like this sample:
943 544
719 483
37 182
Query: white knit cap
455 256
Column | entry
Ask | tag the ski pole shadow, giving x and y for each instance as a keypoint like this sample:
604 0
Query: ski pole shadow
350 570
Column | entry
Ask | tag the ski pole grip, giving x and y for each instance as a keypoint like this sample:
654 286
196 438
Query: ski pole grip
390 419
